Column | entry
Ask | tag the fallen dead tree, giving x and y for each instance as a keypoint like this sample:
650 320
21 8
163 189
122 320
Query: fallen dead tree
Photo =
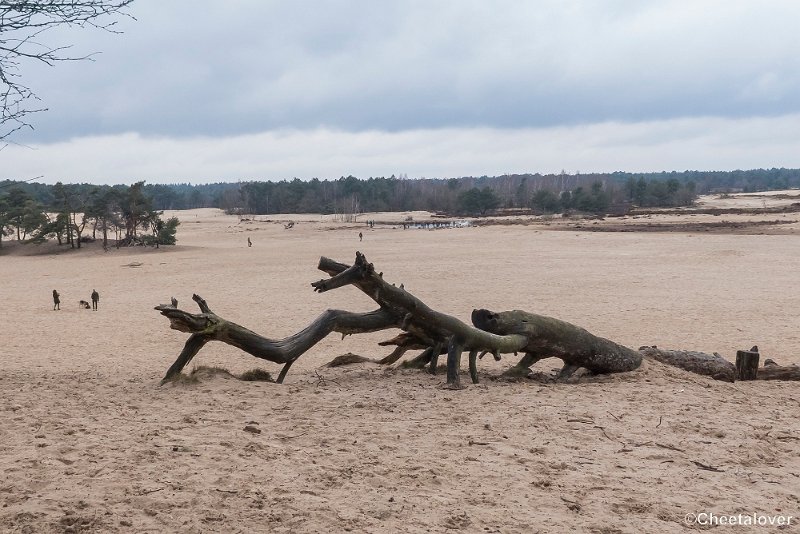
434 332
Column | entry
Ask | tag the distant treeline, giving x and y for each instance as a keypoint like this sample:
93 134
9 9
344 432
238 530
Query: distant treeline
595 192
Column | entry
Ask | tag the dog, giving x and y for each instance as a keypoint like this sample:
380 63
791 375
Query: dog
83 304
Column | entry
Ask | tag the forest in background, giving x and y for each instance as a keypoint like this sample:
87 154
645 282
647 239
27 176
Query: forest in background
131 215
453 195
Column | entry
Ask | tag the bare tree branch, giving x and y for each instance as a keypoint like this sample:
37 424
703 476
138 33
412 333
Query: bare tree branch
22 28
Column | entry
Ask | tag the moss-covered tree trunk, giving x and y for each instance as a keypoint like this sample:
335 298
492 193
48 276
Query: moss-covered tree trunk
547 337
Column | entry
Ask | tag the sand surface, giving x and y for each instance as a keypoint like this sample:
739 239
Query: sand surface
90 443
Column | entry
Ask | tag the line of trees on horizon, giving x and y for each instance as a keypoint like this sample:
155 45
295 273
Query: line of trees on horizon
35 212
593 192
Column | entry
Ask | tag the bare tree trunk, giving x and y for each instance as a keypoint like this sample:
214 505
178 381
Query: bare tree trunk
78 228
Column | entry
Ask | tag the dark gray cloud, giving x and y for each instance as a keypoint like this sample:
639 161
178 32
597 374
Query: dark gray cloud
188 68
249 89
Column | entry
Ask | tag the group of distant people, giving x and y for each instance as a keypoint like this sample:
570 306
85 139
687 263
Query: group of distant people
82 303
371 224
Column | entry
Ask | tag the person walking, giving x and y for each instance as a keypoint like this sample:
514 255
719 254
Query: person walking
56 301
95 299
360 236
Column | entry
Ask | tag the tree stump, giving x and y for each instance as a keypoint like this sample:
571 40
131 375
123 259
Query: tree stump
747 364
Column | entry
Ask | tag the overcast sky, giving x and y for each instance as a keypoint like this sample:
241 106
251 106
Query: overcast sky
203 91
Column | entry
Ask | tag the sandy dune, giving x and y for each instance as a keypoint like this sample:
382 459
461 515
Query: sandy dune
90 443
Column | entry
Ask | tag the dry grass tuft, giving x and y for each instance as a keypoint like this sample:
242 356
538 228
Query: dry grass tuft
203 373
256 375
200 373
